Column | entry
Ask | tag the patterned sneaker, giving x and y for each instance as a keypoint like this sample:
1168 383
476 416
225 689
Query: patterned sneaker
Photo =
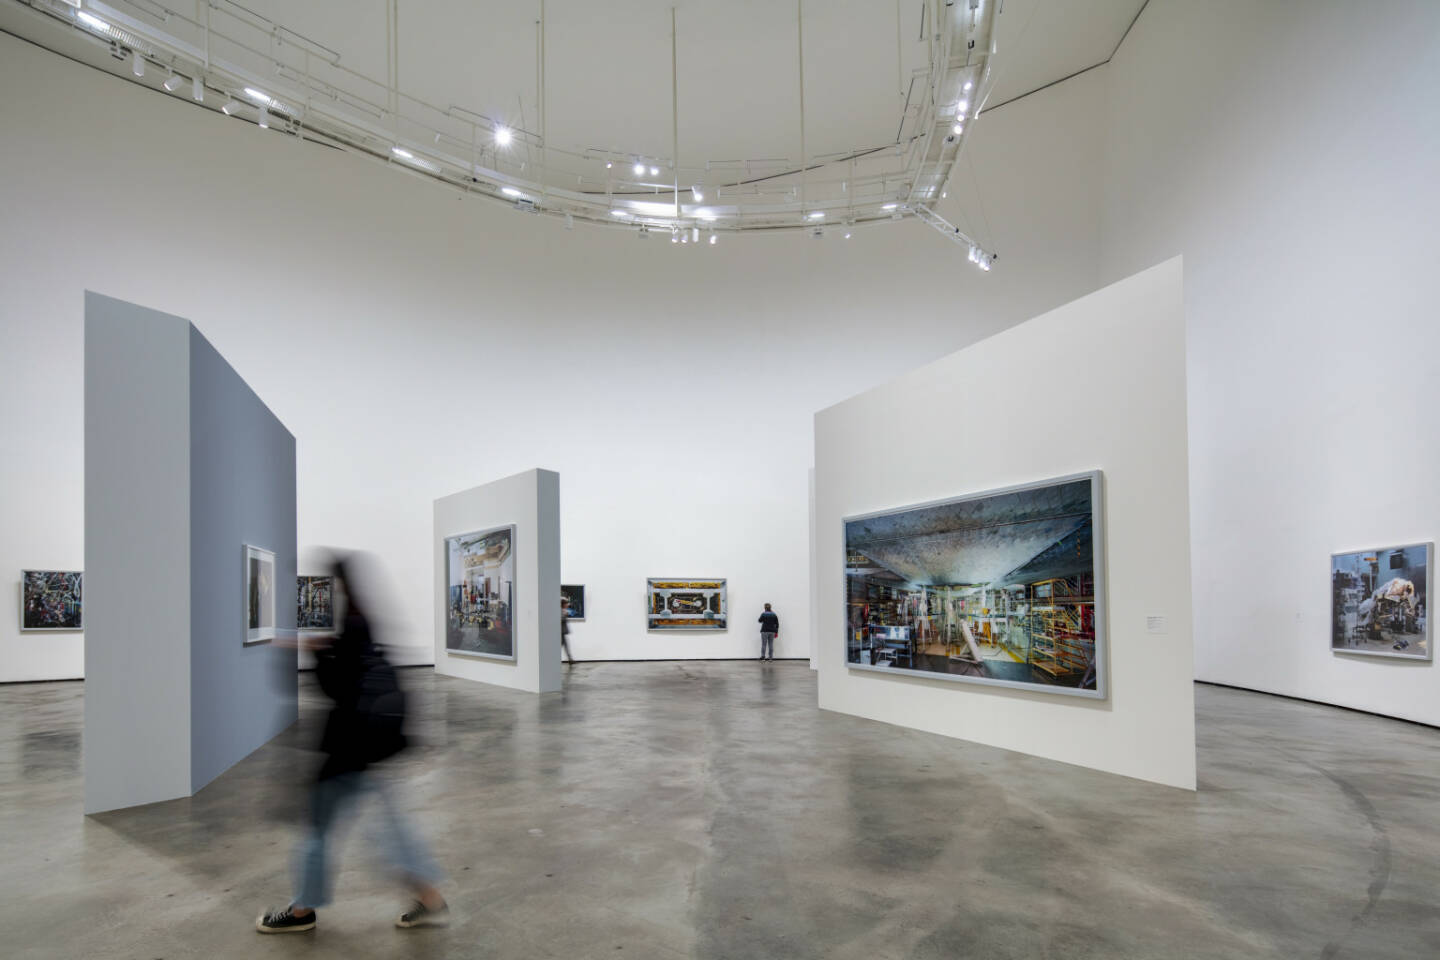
283 921
419 915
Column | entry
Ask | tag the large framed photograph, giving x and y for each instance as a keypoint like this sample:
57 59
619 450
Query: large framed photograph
673 604
1380 602
1005 588
572 595
480 593
259 595
316 603
52 600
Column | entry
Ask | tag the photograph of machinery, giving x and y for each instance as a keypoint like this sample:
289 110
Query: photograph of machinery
52 600
1379 600
1002 588
685 604
573 596
316 609
481 598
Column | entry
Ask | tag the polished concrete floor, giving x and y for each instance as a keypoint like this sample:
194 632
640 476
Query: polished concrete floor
710 810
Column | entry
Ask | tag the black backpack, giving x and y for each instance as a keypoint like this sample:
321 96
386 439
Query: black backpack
381 708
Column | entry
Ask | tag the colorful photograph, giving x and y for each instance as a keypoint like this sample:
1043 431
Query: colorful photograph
1379 602
685 604
1002 588
316 610
51 600
481 594
573 596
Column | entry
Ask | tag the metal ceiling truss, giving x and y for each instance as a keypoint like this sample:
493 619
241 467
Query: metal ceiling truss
250 62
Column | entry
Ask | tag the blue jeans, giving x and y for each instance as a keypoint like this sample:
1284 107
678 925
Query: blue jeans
404 850
767 646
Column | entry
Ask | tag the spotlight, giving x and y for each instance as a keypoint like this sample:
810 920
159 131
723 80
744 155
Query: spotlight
684 238
713 238
674 238
92 21
961 107
695 234
968 85
264 118
654 171
502 136
697 193
197 89
639 169
230 108
608 164
847 234
137 64
958 129
172 82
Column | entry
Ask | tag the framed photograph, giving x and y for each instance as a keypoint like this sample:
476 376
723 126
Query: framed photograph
673 604
316 597
1004 588
573 596
52 600
1379 602
259 595
480 594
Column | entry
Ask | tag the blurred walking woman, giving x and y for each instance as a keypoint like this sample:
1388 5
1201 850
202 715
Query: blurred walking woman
364 727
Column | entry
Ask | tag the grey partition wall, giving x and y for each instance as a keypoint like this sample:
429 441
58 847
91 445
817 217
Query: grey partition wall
184 466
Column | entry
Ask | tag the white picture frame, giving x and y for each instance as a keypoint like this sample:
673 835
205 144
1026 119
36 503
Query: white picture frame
259 595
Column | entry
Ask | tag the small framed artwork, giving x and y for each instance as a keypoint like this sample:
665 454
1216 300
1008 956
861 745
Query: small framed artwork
316 607
259 595
1380 600
52 600
572 595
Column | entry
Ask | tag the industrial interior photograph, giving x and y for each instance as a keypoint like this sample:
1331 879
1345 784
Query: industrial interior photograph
998 587
718 479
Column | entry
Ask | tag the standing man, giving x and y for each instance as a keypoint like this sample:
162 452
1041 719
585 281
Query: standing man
769 630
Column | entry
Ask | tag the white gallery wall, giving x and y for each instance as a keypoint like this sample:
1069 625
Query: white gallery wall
1098 384
1290 151
417 343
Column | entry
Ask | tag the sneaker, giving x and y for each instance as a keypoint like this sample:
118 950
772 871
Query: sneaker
283 921
419 915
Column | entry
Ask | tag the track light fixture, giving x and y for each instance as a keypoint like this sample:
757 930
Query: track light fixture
503 136
958 129
713 238
639 169
695 234
173 82
264 118
137 63
698 193
197 89
92 21
231 107
654 171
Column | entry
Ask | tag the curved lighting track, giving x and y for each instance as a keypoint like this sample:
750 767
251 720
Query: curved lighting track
262 70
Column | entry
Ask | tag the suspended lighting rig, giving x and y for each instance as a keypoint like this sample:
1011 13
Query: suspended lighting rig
225 56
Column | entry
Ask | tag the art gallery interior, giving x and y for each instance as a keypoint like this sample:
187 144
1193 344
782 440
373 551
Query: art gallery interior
1057 372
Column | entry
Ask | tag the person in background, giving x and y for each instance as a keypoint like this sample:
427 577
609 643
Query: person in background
364 727
769 630
565 632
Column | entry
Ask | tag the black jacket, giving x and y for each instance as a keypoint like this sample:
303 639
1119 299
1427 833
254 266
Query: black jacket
769 622
354 673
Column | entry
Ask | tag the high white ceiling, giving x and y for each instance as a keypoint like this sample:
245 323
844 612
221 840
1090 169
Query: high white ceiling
608 65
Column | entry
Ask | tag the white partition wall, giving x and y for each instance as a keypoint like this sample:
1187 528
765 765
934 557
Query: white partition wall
530 502
1098 384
